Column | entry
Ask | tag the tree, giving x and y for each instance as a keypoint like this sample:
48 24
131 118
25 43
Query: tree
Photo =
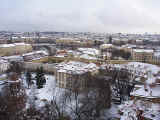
28 78
13 99
88 103
32 100
98 96
123 85
55 110
16 67
40 78
80 104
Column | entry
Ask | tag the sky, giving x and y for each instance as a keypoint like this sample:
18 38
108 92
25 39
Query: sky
131 16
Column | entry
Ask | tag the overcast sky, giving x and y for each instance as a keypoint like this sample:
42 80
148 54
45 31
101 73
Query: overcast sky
80 15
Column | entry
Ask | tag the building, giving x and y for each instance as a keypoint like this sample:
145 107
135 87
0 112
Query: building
142 54
74 74
105 50
128 47
29 40
74 43
36 55
88 53
15 48
4 65
15 58
80 53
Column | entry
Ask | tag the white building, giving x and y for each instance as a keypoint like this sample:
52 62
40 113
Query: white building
4 65
70 74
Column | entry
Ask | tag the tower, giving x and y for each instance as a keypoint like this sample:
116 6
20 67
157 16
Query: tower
110 39
9 41
37 37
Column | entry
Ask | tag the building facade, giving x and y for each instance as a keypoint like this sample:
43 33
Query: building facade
142 55
73 74
105 50
13 49
4 65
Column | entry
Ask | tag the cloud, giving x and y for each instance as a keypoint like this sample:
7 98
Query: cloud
80 15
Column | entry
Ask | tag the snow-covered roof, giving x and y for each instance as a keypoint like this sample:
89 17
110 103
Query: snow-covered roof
34 55
3 61
12 45
86 56
91 51
35 52
14 37
7 45
60 55
139 40
12 57
143 50
104 46
129 46
74 67
21 44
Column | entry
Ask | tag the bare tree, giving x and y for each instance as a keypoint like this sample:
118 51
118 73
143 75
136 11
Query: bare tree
16 67
13 99
80 103
88 103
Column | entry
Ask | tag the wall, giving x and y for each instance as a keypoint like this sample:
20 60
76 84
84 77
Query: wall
48 68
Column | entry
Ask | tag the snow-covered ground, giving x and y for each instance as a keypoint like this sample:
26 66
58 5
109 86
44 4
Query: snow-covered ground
131 108
87 56
46 93
149 93
129 111
150 89
112 112
89 51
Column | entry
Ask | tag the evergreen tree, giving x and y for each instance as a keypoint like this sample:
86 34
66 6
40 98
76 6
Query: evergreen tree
28 78
40 78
